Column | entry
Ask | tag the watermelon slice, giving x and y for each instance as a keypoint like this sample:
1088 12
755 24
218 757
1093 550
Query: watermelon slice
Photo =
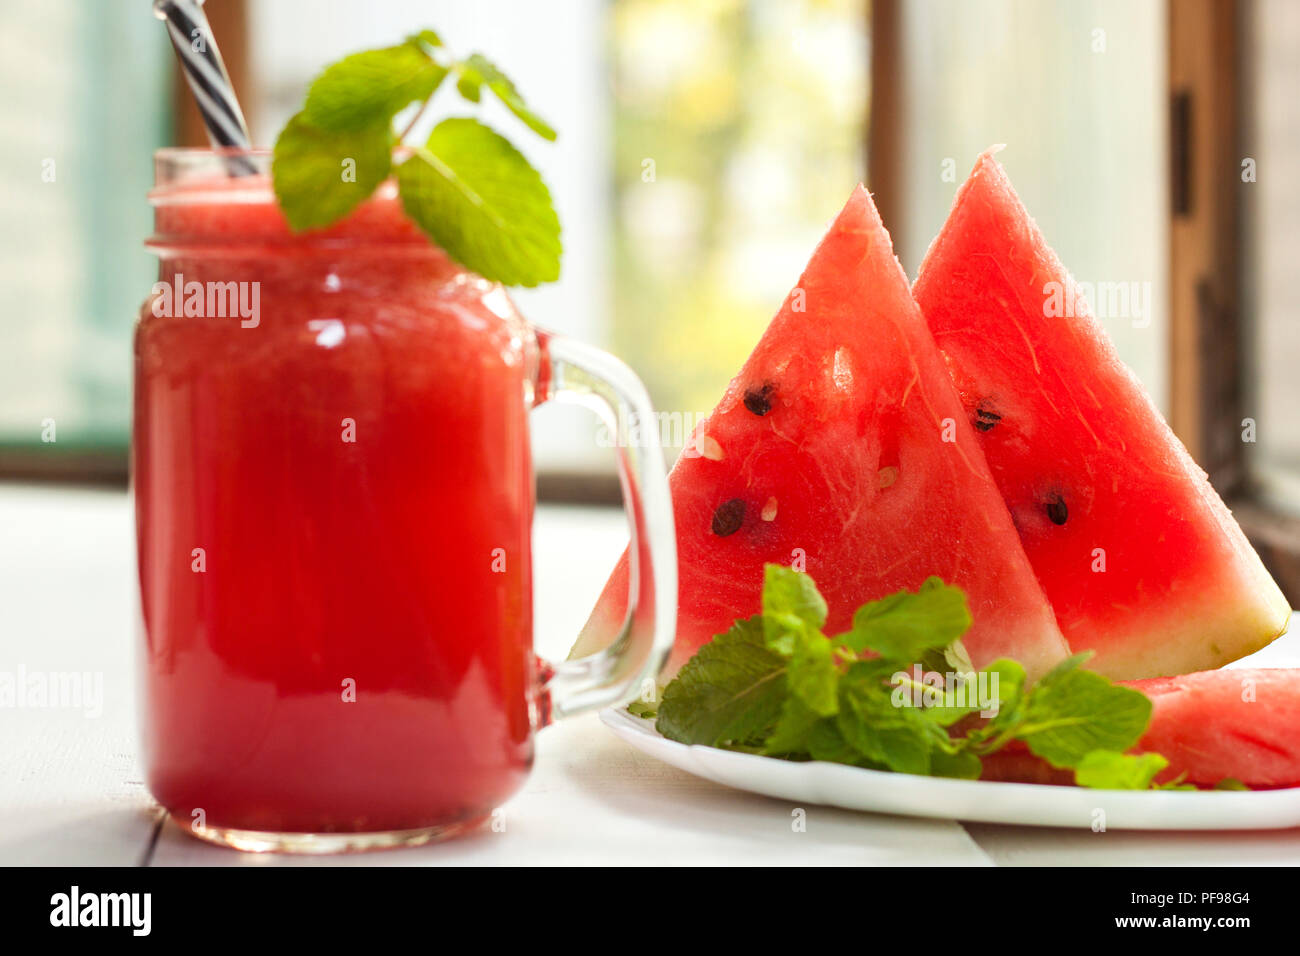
1241 723
1141 559
841 449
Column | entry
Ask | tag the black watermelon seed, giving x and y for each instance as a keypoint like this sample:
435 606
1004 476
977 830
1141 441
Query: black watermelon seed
986 418
729 517
1057 512
759 400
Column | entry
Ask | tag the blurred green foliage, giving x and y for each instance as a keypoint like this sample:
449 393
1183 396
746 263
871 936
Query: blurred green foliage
739 132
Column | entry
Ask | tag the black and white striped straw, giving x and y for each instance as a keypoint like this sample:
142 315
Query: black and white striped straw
191 35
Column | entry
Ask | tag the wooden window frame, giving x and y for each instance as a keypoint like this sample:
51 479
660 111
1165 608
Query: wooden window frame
1212 337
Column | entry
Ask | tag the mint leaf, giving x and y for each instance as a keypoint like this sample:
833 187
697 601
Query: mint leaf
361 89
320 177
882 738
731 691
1072 712
643 708
427 37
825 742
1010 692
478 71
905 625
467 187
936 698
776 685
790 737
883 733
812 675
469 84
961 765
1110 770
478 198
791 604
951 659
1230 783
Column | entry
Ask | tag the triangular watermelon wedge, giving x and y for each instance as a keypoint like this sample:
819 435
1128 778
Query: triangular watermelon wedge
1142 561
841 449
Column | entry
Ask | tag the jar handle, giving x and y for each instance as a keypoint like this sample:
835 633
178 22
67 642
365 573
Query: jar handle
575 373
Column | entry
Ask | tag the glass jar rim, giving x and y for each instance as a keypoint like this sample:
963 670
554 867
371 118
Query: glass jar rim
173 165
196 176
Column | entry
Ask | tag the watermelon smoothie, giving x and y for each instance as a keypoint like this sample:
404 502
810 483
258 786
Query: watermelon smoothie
333 507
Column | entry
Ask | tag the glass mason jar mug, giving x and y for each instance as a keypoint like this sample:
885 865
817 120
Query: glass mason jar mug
334 498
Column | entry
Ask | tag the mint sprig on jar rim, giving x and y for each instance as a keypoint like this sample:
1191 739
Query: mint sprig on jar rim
466 186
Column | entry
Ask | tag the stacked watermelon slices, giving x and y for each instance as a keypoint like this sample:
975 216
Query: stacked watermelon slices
1141 561
880 434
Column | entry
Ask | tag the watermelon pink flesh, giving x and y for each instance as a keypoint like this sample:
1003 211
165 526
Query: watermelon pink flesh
1239 723
828 453
1140 558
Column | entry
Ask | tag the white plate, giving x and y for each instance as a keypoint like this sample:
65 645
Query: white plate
854 788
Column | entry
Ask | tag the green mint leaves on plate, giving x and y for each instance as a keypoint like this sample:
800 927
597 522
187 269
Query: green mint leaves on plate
897 691
466 186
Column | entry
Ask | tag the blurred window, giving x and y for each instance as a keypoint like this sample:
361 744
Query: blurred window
704 145
1078 93
739 133
86 102
1274 247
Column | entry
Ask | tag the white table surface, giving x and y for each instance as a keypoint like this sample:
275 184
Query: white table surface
71 790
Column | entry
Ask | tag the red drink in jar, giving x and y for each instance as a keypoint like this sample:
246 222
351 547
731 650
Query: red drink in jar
334 496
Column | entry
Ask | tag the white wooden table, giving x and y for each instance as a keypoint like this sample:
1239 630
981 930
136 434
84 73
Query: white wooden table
71 790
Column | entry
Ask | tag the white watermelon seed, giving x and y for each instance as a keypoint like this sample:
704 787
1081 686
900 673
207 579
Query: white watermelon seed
888 475
769 510
708 446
